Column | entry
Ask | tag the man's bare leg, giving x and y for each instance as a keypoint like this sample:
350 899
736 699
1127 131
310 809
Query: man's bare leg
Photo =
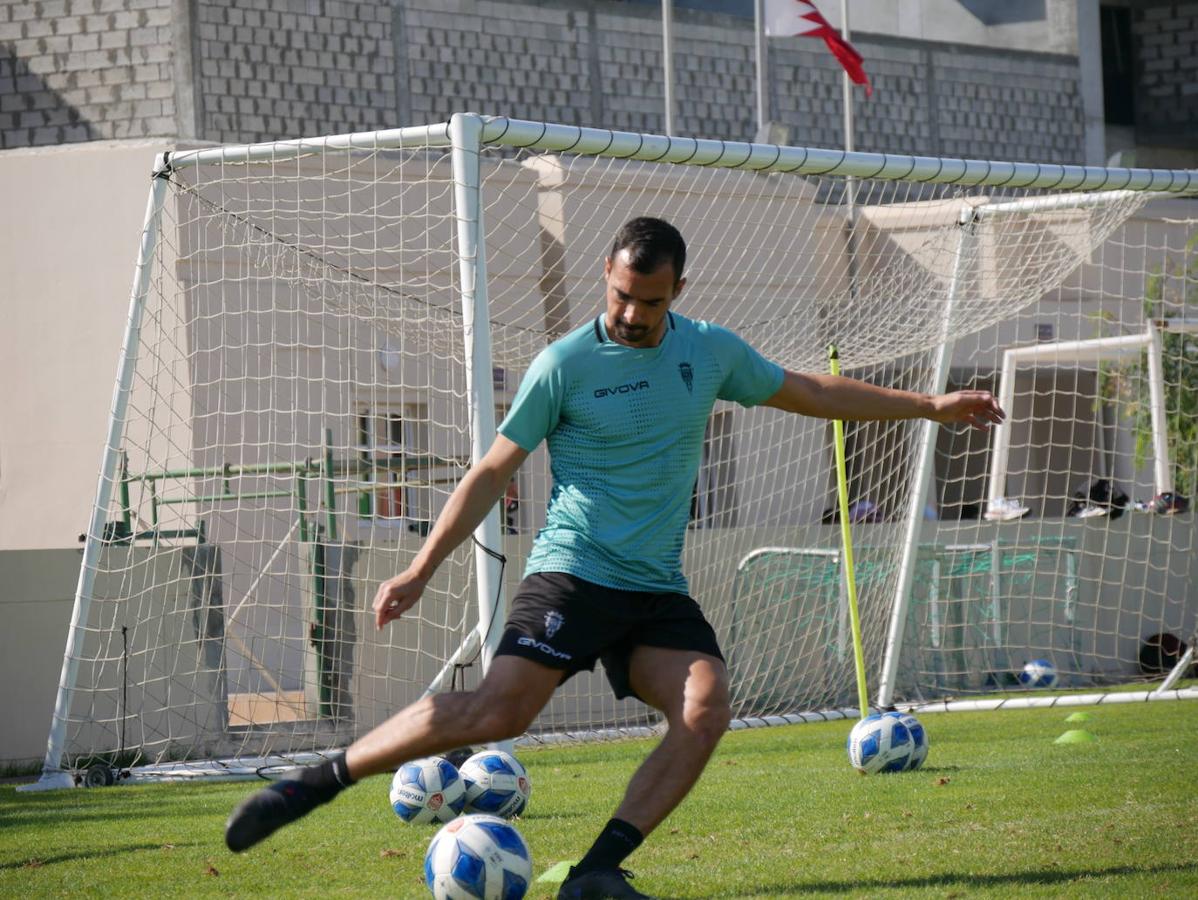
691 689
503 706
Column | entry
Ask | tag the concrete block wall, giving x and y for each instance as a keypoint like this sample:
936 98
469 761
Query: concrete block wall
600 64
502 57
923 102
84 70
270 69
1008 106
1166 48
250 70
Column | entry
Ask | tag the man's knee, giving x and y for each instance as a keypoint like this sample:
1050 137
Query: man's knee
706 712
708 719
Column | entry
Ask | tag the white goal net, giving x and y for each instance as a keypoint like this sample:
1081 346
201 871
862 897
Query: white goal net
323 334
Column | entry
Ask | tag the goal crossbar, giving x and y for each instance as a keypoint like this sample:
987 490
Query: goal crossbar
756 157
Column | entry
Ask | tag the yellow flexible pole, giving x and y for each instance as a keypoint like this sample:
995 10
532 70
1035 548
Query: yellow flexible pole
846 538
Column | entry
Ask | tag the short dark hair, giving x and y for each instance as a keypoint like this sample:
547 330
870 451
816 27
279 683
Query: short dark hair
650 243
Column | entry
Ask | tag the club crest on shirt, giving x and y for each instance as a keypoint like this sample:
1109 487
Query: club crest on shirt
688 376
553 621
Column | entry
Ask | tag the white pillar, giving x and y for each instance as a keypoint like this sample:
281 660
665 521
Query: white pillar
1089 63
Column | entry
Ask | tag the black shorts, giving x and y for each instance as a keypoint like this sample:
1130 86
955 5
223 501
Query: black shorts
568 623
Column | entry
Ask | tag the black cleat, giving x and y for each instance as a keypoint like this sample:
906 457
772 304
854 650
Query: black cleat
600 884
263 813
459 756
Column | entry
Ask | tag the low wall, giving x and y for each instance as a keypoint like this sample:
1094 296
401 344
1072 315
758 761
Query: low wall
181 640
37 590
1132 577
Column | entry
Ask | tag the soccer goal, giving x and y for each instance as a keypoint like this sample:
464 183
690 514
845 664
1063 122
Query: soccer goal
323 333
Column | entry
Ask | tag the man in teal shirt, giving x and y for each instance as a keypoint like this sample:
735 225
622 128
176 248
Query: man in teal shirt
622 402
624 426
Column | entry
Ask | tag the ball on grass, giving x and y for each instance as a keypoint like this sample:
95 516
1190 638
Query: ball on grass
478 857
427 790
496 783
919 739
1039 673
880 743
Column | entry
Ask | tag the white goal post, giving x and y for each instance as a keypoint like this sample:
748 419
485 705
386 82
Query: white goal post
323 333
1098 350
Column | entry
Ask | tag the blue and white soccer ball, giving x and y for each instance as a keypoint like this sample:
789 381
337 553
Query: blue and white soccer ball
478 857
919 738
880 743
496 783
1039 673
427 790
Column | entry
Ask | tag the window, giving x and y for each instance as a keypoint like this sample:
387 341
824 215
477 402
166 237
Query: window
392 447
1118 75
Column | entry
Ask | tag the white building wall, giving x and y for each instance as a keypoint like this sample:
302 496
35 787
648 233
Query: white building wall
68 245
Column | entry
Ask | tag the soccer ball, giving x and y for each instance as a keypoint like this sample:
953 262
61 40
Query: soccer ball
478 856
427 790
919 738
496 783
880 743
1039 673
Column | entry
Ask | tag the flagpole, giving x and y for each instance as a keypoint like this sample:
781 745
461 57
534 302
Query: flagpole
667 56
762 111
847 89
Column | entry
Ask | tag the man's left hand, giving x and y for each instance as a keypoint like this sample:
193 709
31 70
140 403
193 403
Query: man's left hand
978 409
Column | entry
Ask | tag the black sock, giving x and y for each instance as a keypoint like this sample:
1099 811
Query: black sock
615 842
329 778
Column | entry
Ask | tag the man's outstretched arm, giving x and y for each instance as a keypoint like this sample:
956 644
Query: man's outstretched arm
468 505
837 397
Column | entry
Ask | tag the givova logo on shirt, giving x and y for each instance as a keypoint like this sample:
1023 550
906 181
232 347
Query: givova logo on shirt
622 388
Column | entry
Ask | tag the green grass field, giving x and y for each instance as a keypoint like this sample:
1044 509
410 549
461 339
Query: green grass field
998 810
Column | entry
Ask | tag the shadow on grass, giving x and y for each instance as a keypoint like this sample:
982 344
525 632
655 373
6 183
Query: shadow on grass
1050 876
37 862
52 817
42 809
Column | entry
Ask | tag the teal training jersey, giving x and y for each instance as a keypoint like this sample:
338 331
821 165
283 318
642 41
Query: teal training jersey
624 427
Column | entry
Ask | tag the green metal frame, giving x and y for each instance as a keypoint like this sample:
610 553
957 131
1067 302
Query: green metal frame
313 533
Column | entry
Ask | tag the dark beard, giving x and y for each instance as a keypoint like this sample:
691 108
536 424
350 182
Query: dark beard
633 334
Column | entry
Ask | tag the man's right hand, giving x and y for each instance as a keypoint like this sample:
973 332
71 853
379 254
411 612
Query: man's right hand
475 496
396 596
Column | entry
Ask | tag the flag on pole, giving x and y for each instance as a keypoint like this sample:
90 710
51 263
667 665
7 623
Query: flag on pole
800 18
